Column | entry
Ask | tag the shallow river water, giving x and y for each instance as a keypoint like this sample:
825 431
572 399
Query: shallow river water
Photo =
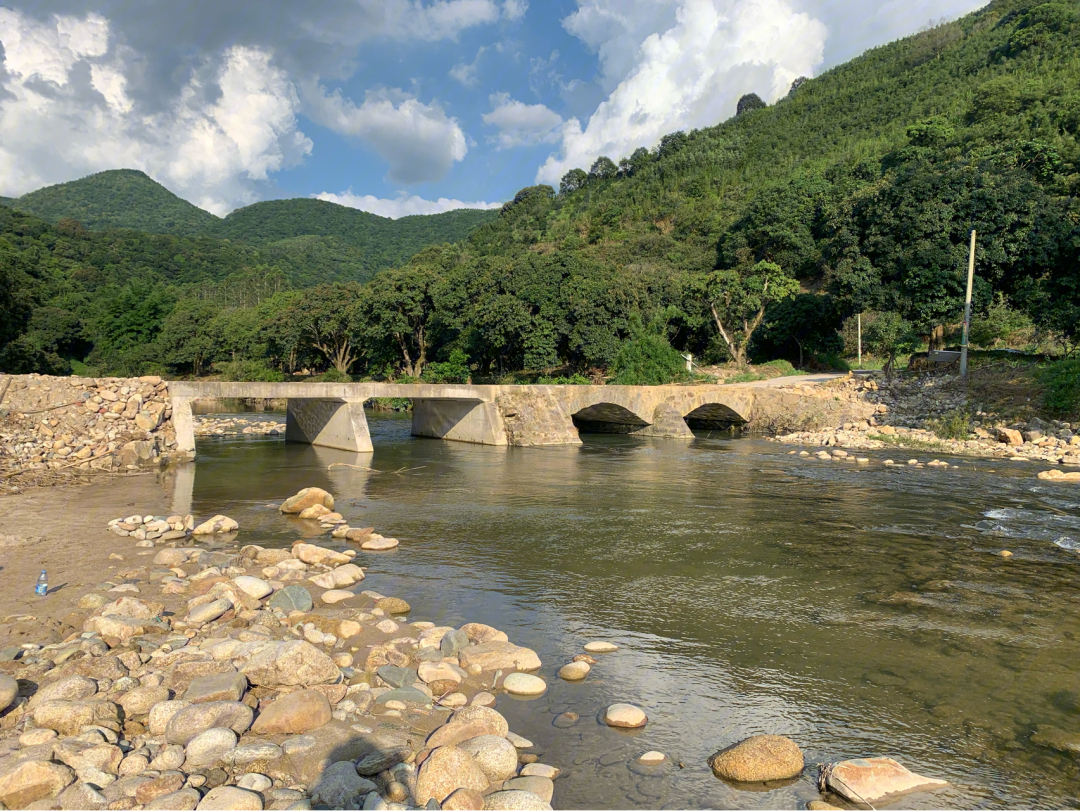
861 610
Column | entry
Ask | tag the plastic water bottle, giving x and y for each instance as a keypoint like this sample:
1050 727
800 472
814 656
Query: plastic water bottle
42 584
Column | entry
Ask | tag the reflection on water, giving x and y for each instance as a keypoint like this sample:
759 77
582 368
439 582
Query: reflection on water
862 611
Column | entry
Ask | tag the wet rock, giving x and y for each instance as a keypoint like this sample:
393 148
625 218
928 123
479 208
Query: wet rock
34 780
430 672
209 747
496 757
515 801
292 598
230 798
397 676
307 497
1058 739
314 511
192 720
870 779
229 686
406 694
294 714
379 544
453 642
584 657
601 647
499 656
651 758
574 671
542 787
340 786
444 771
758 759
625 716
523 684
540 770
479 633
334 596
216 525
565 720
291 664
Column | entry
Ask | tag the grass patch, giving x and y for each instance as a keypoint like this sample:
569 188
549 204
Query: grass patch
898 441
953 425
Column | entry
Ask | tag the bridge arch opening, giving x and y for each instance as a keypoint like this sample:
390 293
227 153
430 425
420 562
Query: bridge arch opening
713 417
607 418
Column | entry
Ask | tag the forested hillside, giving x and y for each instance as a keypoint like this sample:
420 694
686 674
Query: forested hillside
757 238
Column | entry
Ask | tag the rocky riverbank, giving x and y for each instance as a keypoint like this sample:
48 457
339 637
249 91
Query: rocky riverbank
912 415
208 425
49 425
223 675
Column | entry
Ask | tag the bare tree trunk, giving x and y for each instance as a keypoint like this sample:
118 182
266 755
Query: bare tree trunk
735 352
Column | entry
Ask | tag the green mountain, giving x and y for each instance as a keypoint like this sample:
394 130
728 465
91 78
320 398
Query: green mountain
118 198
383 241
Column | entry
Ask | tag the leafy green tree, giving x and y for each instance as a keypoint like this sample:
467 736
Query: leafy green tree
646 358
737 300
603 168
887 335
573 180
398 309
748 103
187 334
331 316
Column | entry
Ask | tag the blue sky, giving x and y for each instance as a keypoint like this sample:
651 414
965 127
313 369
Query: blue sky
395 106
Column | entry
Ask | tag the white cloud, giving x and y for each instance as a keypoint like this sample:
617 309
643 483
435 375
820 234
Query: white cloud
466 73
409 19
515 9
419 141
689 74
521 124
403 205
65 112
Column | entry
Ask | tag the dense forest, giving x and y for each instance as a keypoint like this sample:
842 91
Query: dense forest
758 238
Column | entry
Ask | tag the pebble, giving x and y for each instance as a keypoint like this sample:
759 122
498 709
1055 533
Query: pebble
574 671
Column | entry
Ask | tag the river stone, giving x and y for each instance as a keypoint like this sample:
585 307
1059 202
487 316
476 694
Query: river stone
253 586
340 786
870 779
430 672
382 760
209 747
314 511
542 787
208 612
142 699
625 716
393 605
171 557
256 751
397 676
651 758
80 796
464 799
336 596
1054 738
229 686
444 771
291 664
69 717
523 684
253 781
197 718
186 799
306 498
73 688
230 798
515 801
133 607
601 647
34 780
33 737
409 694
379 544
80 755
93 601
453 642
217 524
169 758
161 713
574 671
540 770
495 756
294 714
758 759
499 656
480 633
320 555
158 787
292 598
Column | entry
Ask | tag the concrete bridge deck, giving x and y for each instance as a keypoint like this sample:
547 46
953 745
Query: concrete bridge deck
332 414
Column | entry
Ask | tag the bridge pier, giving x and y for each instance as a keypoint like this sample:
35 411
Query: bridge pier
462 420
667 423
329 423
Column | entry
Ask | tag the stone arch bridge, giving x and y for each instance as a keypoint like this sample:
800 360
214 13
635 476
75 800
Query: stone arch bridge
332 414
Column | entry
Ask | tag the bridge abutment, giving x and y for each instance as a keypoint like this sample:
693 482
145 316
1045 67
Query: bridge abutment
461 420
328 423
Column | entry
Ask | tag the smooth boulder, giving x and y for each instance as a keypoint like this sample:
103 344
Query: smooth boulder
625 716
293 714
758 759
524 684
870 779
307 497
291 664
192 720
445 770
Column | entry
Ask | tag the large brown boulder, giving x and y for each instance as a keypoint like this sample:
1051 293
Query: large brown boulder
291 664
293 714
69 717
307 497
758 759
446 770
34 780
1009 436
869 779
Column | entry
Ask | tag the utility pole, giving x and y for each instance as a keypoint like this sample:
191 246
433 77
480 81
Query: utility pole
859 323
967 308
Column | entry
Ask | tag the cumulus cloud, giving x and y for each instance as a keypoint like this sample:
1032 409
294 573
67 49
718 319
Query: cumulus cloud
514 9
65 111
521 124
690 74
419 141
404 205
466 72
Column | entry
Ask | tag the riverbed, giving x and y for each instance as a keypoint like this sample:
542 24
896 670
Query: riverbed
859 609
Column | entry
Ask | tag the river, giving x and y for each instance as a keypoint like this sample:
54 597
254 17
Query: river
859 609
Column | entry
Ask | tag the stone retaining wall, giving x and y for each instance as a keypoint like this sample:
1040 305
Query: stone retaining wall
59 423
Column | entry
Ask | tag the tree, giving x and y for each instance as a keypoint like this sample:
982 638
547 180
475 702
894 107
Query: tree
887 335
330 315
572 181
186 334
646 358
638 160
603 168
737 300
749 103
398 309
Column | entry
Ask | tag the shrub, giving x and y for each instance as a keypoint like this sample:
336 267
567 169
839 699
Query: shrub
953 425
785 367
454 370
332 375
248 371
646 358
576 379
1061 388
